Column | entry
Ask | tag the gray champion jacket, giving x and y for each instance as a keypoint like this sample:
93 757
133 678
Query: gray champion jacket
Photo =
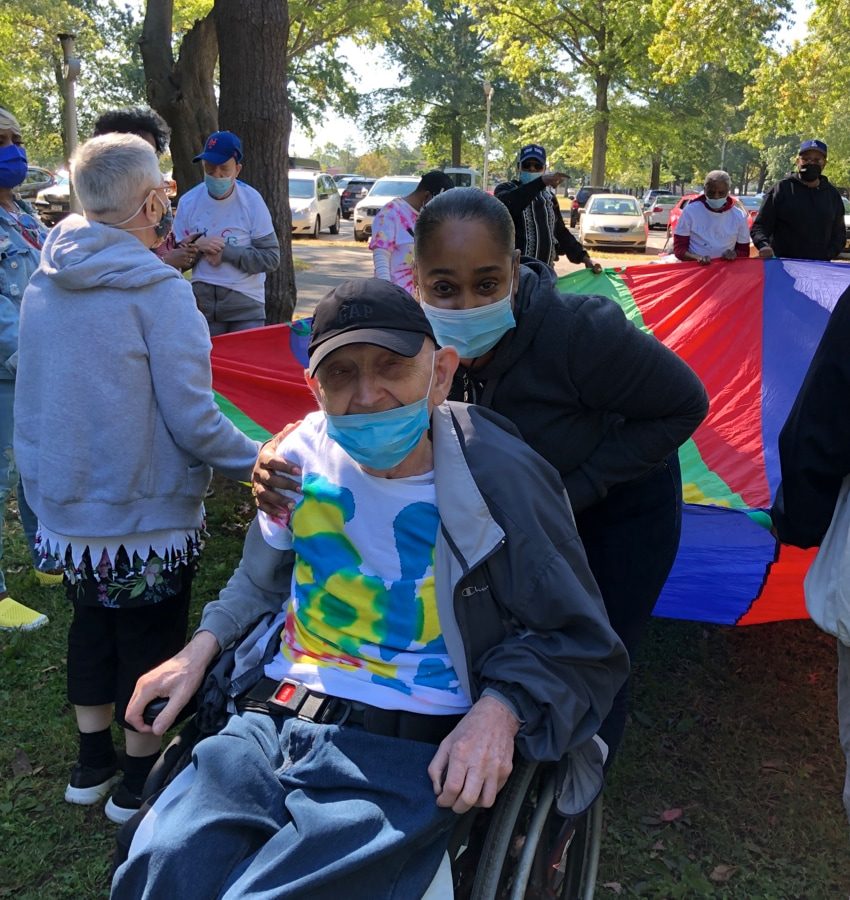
520 612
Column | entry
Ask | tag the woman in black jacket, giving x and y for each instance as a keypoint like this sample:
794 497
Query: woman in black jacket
606 404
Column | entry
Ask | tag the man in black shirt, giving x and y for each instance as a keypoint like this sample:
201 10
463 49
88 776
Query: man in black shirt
539 226
802 216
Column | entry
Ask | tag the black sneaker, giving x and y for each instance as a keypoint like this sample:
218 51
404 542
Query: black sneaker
88 785
122 805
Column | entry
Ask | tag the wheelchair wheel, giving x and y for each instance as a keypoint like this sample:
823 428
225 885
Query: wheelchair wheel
532 852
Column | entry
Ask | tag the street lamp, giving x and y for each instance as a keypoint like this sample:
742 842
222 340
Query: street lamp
70 71
488 96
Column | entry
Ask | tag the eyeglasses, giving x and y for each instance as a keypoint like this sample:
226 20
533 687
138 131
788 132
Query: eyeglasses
532 165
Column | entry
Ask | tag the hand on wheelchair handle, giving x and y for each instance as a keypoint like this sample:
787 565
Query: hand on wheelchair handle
473 763
171 685
153 709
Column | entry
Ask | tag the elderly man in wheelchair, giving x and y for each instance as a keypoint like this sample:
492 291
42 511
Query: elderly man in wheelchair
426 610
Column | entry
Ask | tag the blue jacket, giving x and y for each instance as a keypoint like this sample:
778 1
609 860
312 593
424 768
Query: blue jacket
18 260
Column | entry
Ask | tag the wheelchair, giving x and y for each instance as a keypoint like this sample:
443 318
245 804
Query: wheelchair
521 848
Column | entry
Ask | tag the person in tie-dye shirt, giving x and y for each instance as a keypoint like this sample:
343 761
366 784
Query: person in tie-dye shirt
424 617
392 230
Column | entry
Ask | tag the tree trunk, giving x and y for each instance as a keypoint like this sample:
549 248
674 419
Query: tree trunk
601 122
762 176
182 92
254 103
457 141
655 171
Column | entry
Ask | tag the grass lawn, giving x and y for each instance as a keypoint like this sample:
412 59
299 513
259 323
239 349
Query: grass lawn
728 784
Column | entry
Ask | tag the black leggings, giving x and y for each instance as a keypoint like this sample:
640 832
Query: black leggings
631 538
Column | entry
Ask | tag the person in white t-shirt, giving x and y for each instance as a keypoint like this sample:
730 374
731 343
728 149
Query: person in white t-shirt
230 224
712 225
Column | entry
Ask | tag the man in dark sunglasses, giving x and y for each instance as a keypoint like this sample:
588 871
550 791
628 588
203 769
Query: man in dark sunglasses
531 201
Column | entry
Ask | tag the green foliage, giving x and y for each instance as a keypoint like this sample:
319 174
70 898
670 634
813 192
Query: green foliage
730 33
31 62
803 92
443 61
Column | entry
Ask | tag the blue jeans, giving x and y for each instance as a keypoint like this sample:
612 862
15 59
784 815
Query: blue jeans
844 716
281 808
9 479
631 539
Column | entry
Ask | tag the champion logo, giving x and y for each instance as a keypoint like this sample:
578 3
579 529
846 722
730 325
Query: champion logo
472 590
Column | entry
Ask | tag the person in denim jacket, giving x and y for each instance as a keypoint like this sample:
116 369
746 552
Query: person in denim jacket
21 237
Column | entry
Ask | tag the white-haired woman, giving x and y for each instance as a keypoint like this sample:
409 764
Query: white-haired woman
116 430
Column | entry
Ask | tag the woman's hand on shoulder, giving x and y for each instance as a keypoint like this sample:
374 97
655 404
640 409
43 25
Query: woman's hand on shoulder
271 475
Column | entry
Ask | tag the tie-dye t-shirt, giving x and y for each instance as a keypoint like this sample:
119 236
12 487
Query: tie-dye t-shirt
392 229
362 623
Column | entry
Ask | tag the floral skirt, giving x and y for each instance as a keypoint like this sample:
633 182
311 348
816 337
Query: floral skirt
125 583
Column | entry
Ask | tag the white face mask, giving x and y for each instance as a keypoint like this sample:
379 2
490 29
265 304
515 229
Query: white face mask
716 202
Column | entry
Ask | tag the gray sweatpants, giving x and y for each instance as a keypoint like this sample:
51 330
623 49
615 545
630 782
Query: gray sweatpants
227 310
844 714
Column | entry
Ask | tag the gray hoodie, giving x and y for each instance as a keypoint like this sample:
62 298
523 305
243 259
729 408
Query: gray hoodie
116 427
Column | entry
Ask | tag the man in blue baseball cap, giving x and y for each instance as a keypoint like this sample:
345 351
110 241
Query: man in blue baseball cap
802 217
230 224
538 223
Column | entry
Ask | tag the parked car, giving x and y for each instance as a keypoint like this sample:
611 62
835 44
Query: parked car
649 196
314 202
54 203
751 204
581 197
676 211
383 190
37 179
343 178
354 191
613 220
658 214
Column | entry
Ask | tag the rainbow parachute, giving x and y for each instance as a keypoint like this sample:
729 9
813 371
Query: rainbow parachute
748 328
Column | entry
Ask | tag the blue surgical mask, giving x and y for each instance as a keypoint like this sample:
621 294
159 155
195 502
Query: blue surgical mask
218 187
382 440
13 165
472 332
716 202
526 177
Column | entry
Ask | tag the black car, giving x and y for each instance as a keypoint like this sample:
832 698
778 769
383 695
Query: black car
582 195
354 191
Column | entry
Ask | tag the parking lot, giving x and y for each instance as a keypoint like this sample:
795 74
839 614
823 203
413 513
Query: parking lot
335 257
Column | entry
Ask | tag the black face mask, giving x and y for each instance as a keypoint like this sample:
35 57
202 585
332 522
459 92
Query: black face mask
810 171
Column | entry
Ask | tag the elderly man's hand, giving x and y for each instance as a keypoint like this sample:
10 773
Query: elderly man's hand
472 763
177 679
269 477
766 252
730 255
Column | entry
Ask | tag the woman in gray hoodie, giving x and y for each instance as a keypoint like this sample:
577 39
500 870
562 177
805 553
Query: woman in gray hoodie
116 430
